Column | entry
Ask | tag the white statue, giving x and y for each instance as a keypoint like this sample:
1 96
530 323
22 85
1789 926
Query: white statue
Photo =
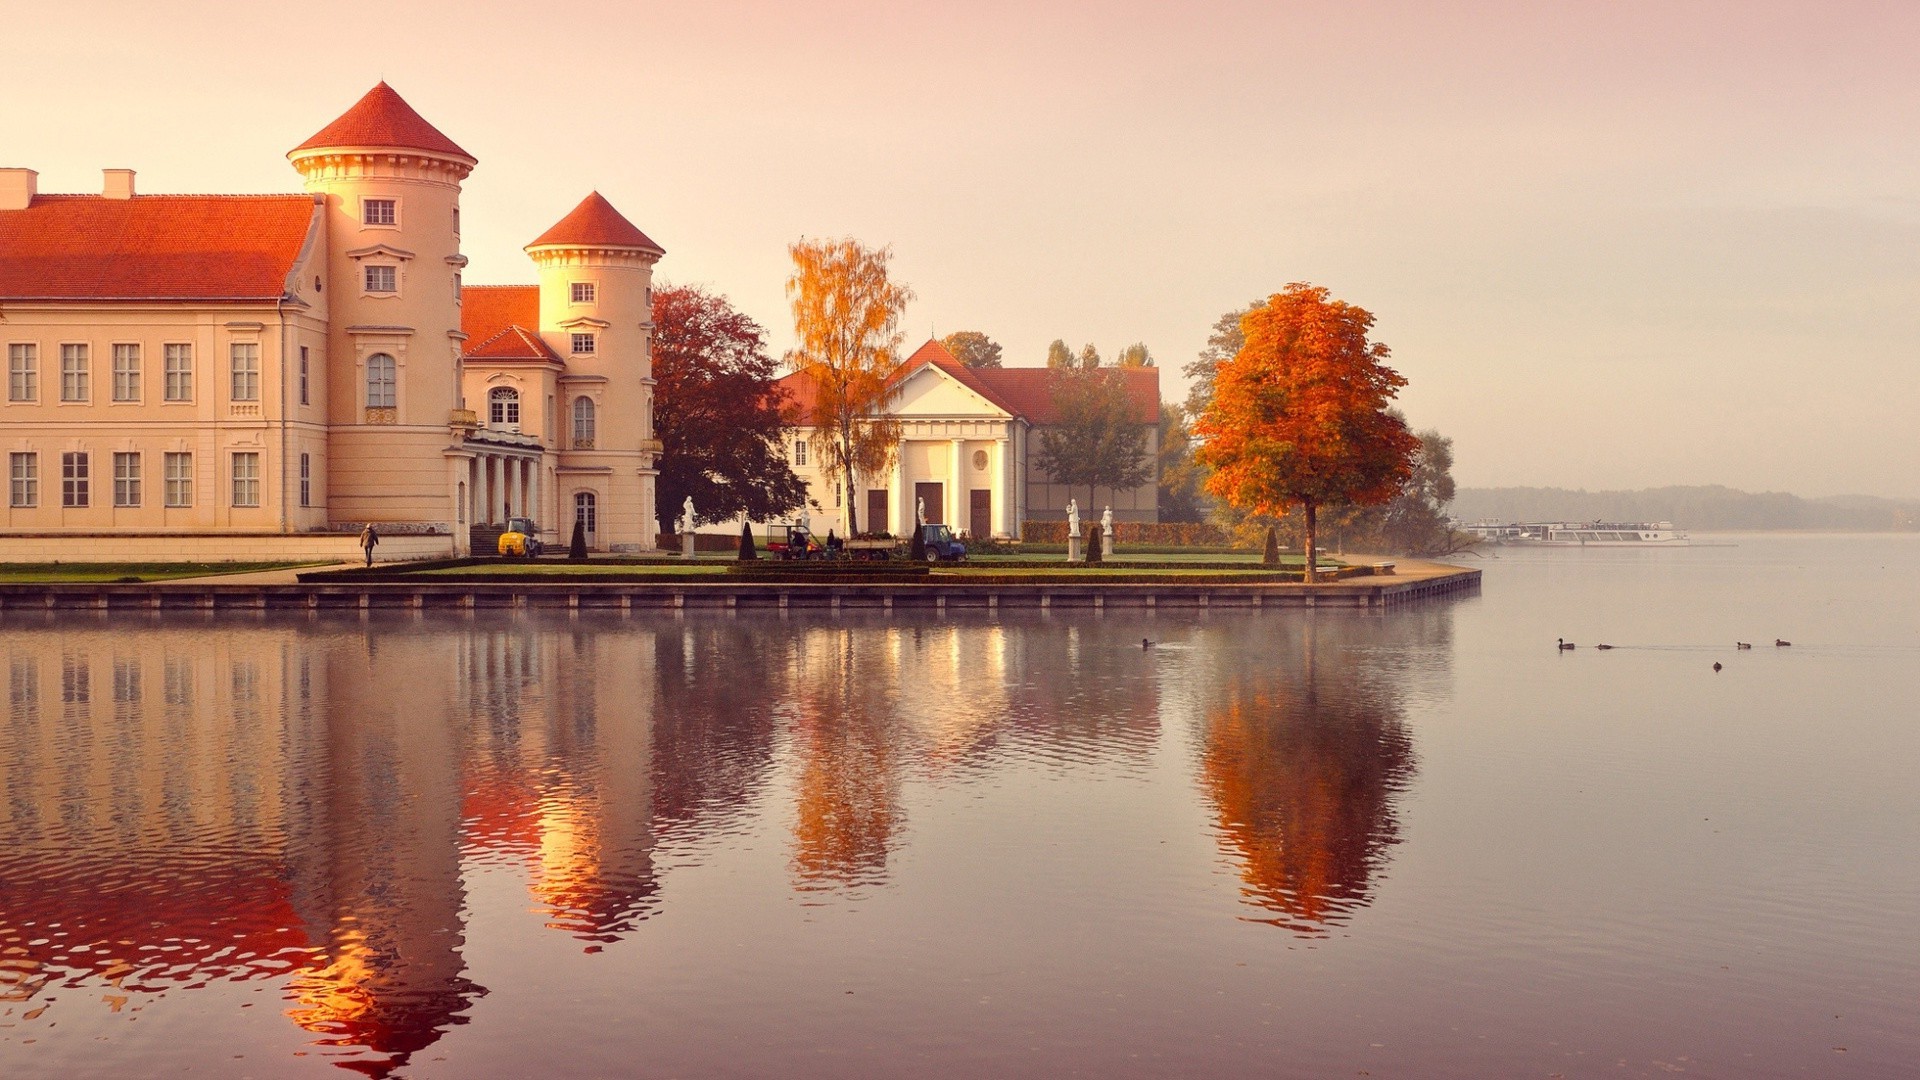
806 523
920 511
1073 518
1106 522
686 515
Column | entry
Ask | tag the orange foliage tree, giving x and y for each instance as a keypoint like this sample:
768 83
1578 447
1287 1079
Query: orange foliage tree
846 317
1299 416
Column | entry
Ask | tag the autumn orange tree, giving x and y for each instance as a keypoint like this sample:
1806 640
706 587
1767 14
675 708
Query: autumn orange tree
846 317
1299 416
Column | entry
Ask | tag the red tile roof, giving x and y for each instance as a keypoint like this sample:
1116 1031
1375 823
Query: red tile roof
153 247
1030 394
1023 392
497 320
595 223
382 118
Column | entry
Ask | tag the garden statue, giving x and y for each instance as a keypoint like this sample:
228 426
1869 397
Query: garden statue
919 511
1106 532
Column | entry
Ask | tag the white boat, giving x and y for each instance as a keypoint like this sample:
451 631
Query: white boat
1633 534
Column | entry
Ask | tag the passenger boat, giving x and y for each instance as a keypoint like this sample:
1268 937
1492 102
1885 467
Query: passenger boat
1635 534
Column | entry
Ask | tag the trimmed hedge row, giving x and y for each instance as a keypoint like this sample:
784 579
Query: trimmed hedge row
1165 533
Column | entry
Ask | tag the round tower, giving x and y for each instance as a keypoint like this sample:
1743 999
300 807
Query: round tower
596 312
391 290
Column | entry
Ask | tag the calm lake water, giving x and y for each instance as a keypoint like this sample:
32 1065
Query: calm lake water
1419 844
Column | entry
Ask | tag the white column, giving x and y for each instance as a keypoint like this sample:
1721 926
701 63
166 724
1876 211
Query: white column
997 481
958 504
901 512
476 493
534 509
517 485
493 488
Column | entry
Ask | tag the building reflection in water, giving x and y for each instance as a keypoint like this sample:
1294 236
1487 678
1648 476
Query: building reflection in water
1304 753
295 801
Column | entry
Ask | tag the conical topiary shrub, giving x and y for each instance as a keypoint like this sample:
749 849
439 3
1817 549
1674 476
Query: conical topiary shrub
1093 545
1271 557
577 550
748 552
917 548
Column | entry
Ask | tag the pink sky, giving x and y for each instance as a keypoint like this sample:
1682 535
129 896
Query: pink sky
1612 245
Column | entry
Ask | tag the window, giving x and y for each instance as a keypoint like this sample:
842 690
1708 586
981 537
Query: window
503 407
586 511
583 344
305 398
179 479
583 292
456 286
126 479
24 479
306 480
583 423
799 452
456 221
380 382
246 478
380 279
377 212
836 495
179 375
74 382
73 480
23 372
246 371
126 373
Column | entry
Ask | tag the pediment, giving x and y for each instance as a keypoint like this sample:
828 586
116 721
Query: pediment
931 391
385 250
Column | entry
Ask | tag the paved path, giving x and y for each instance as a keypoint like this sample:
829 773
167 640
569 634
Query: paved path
286 576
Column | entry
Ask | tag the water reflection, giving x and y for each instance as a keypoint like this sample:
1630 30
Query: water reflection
304 802
1304 754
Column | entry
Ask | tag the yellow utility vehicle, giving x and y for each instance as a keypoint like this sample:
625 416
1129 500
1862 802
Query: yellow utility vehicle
521 540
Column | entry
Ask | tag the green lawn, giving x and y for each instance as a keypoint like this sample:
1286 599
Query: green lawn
96 573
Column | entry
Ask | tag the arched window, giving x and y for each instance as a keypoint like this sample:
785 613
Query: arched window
583 423
380 392
503 408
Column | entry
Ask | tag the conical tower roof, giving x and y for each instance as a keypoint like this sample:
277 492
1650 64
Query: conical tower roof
382 118
596 224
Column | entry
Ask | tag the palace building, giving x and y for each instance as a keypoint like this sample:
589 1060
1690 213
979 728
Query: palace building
237 376
969 453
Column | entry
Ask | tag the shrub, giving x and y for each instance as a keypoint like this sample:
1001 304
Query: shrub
1174 534
748 552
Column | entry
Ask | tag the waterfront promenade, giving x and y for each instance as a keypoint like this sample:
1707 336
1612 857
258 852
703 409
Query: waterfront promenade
283 589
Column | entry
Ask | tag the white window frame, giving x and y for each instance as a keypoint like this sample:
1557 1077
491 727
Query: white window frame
76 373
126 371
799 453
245 465
23 479
126 479
503 408
583 292
368 272
177 371
76 475
306 480
243 360
382 381
179 478
23 371
370 207
305 387
586 338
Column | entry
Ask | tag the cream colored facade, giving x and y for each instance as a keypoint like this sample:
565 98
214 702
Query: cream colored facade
152 405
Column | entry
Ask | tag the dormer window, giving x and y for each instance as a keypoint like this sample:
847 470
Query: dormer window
584 293
379 212
382 279
583 344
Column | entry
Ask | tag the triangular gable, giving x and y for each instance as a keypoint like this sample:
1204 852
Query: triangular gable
932 390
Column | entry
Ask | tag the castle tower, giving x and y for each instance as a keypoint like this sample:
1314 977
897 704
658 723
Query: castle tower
392 291
596 312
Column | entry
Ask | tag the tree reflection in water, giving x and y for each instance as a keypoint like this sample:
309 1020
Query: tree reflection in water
1304 755
849 740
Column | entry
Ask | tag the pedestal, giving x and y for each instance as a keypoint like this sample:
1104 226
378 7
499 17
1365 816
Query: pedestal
1106 543
1073 547
686 544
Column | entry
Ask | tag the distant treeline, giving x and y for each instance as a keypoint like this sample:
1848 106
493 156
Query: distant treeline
1702 508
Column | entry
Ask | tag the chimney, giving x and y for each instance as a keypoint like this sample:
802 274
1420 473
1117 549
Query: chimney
119 183
17 188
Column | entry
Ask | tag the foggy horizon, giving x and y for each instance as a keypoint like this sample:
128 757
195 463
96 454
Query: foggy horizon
1611 249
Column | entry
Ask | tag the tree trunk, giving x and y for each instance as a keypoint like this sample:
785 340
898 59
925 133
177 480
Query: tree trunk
1313 555
853 515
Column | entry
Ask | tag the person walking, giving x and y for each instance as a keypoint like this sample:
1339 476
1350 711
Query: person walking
369 539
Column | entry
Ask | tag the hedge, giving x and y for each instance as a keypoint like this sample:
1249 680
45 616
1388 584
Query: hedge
1157 533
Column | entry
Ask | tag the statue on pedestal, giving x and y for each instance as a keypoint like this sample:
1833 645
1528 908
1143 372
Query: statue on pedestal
1073 518
686 515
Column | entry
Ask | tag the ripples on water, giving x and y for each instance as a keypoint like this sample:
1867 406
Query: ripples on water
814 846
